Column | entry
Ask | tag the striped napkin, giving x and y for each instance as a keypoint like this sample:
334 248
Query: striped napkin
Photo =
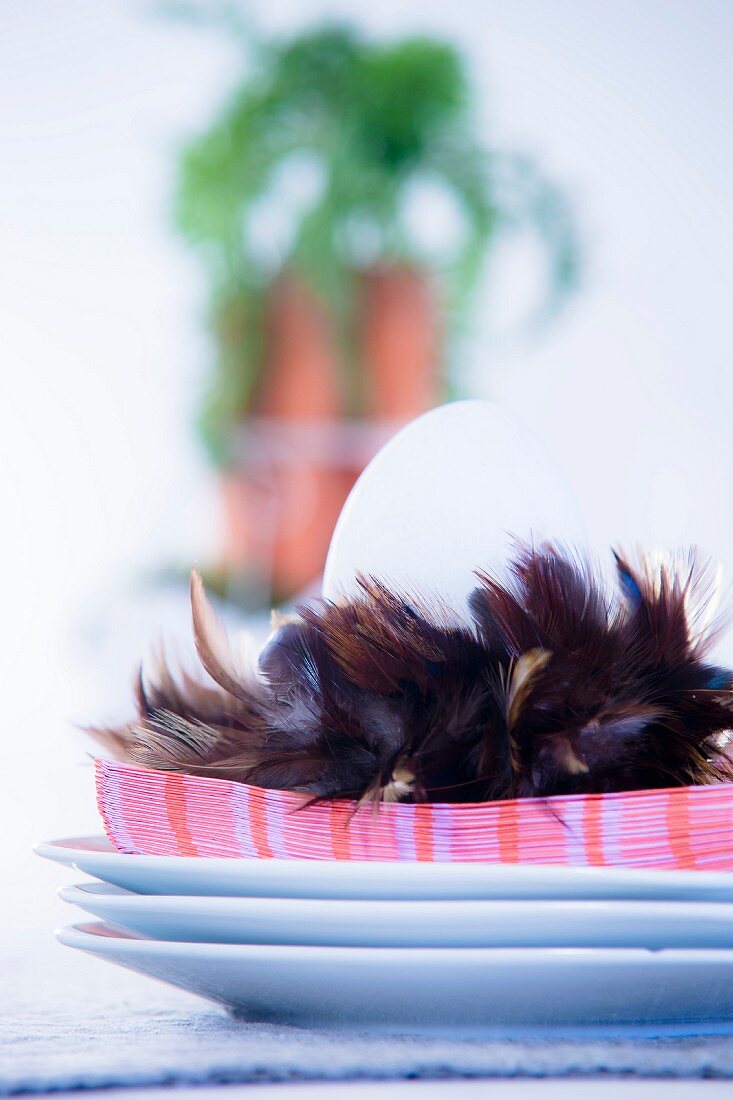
165 813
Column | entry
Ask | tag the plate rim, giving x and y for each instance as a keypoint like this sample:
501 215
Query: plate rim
60 850
119 897
85 937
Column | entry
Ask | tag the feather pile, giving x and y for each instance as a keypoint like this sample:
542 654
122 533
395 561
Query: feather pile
557 686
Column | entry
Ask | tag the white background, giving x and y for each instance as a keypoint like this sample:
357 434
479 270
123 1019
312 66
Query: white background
628 105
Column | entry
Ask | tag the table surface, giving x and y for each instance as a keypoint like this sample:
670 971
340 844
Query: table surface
497 1089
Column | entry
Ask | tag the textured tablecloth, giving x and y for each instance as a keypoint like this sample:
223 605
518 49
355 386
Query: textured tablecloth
73 1021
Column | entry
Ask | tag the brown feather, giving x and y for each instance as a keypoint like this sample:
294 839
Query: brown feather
558 686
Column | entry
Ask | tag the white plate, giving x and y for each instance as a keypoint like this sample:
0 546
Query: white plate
427 989
351 923
324 879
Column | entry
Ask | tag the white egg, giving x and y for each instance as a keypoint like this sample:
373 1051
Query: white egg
447 495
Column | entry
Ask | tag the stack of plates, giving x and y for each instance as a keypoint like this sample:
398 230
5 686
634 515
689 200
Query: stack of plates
417 946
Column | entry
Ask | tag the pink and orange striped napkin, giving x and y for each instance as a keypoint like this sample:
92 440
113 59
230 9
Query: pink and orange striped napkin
164 813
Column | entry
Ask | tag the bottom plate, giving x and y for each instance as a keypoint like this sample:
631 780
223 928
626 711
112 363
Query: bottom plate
482 990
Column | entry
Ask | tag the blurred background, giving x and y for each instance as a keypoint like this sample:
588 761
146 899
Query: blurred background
239 245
